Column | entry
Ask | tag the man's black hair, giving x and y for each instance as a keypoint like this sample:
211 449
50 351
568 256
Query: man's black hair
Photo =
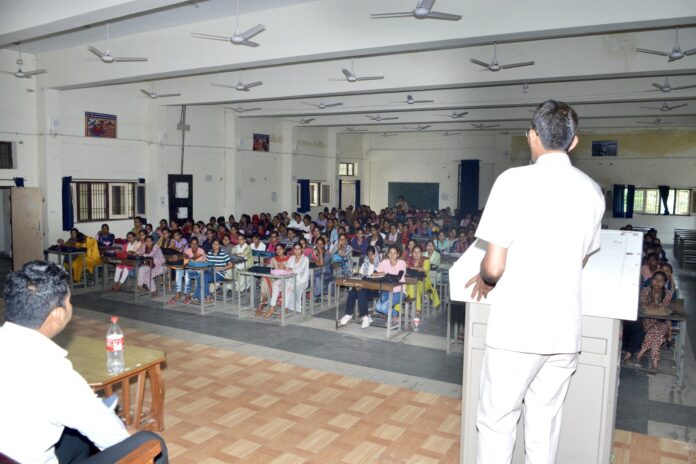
32 292
556 123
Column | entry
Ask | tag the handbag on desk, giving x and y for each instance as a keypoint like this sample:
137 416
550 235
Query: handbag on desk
415 274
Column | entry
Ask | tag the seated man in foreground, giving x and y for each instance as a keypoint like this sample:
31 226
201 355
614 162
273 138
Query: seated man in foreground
49 413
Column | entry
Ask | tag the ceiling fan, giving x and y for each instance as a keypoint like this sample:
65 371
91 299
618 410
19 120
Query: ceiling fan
667 88
423 10
240 86
379 118
484 126
353 129
656 122
304 121
665 107
494 66
447 134
23 74
411 101
239 109
238 38
419 127
674 55
154 95
107 57
351 77
454 115
322 105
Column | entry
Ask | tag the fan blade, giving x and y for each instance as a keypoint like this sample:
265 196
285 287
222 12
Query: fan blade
517 65
307 121
658 86
463 113
126 59
690 52
390 118
374 118
348 74
652 52
165 95
478 62
253 84
224 85
331 105
404 14
244 110
198 35
7 72
146 92
445 16
651 107
677 106
370 78
337 79
423 101
96 51
427 4
423 127
249 43
311 104
34 72
259 28
681 87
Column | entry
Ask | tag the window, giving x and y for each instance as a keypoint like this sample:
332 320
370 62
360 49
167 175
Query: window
101 201
647 201
325 194
346 169
314 193
7 155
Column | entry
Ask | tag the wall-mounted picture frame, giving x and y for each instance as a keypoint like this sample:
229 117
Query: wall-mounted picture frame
100 125
261 142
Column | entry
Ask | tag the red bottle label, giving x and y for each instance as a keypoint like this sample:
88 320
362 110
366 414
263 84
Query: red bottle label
114 344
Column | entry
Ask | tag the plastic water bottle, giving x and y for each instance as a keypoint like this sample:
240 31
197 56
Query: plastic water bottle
114 348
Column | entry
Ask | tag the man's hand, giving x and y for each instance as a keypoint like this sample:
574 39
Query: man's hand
480 289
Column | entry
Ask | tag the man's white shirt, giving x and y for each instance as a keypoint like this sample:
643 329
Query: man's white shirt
548 216
40 393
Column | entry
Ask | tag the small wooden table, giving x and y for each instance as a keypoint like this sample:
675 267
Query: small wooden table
70 256
371 284
88 357
129 262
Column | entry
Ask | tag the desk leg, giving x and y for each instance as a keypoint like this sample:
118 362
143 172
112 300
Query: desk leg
140 396
125 394
72 281
311 295
337 308
157 400
449 331
680 353
136 269
389 313
201 283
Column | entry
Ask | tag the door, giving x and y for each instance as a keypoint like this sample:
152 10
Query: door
27 227
180 187
347 196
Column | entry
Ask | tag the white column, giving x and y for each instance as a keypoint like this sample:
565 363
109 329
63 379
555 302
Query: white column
230 183
286 195
331 163
49 170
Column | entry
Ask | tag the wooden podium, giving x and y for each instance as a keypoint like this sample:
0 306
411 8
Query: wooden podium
610 294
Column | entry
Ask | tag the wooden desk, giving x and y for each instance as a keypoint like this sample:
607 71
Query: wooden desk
380 286
200 281
70 255
88 357
135 264
256 277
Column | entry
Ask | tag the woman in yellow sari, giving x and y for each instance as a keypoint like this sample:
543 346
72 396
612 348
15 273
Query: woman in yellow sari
418 262
91 257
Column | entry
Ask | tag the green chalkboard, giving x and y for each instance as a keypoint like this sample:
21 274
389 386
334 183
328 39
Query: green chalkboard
418 195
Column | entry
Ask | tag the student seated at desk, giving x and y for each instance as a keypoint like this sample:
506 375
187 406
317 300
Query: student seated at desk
293 290
279 261
122 271
419 263
368 268
341 255
432 255
376 239
244 250
323 261
165 240
393 238
104 237
359 243
656 330
207 244
222 263
670 284
198 233
392 265
89 259
257 244
49 412
192 253
72 241
442 243
227 244
148 272
651 265
308 250
179 243
408 251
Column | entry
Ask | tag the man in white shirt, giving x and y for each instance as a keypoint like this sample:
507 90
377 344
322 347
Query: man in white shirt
541 223
47 409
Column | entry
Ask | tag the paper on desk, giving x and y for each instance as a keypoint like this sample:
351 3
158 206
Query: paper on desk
610 280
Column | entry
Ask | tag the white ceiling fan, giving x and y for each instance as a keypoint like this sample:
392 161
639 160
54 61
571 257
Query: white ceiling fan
240 86
239 109
419 127
351 77
304 121
379 117
154 95
323 105
667 88
238 38
484 126
454 115
20 73
411 101
656 122
494 66
665 107
107 57
674 55
423 10
353 129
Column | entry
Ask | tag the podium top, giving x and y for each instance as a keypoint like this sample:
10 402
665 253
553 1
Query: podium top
610 280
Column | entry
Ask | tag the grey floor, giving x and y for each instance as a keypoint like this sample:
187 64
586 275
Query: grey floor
652 405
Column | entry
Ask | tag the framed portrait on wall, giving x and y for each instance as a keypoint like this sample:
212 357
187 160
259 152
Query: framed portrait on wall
100 125
261 142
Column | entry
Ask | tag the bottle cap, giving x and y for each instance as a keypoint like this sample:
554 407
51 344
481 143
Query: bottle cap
114 319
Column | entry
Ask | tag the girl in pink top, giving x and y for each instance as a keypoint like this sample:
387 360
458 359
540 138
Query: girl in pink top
393 265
